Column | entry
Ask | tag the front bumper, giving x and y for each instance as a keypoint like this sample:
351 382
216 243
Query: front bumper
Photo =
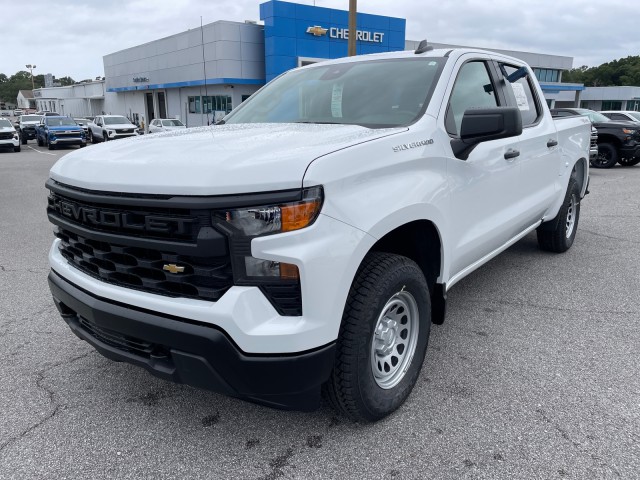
11 142
28 133
593 153
630 151
190 352
67 141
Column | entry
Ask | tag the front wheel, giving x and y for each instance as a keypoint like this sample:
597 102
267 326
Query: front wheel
383 338
105 137
607 156
39 141
23 140
16 149
558 234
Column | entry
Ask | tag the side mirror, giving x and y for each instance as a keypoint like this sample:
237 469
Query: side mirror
484 124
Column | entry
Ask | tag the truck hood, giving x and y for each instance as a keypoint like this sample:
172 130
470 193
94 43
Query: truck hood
216 160
7 129
30 124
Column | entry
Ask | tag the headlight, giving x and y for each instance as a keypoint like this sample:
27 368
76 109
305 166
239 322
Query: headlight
254 221
628 131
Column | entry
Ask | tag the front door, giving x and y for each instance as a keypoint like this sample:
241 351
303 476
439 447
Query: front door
162 105
484 187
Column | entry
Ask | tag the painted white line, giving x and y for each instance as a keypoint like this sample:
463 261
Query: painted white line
44 153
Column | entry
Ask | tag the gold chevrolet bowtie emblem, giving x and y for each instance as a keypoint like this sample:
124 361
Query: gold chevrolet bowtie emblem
173 268
317 31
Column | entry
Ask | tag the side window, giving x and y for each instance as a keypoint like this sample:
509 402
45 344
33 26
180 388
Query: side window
525 98
618 116
473 89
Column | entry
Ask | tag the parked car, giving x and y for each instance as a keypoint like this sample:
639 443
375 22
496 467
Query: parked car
165 125
110 127
618 141
9 137
58 131
84 123
5 114
27 127
17 112
309 242
624 115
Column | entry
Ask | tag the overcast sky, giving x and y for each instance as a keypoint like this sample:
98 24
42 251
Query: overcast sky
70 37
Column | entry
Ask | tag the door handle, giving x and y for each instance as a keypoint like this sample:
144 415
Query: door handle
511 153
552 142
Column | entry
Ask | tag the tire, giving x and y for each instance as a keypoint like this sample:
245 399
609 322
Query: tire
23 140
607 156
629 162
105 137
16 149
91 139
39 140
558 234
389 296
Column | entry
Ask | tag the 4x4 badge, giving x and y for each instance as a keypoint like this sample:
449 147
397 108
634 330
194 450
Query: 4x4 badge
173 268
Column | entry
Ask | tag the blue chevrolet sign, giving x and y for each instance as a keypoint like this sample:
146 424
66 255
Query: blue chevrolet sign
293 33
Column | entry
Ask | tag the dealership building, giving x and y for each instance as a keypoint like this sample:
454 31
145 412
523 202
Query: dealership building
200 75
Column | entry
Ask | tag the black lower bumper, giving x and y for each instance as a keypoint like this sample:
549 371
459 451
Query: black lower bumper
190 352
630 151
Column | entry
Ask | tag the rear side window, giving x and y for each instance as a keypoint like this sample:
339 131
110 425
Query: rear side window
473 89
526 100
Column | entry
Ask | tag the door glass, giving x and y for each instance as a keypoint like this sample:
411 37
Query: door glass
473 88
525 99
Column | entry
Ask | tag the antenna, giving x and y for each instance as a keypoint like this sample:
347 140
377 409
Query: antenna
423 47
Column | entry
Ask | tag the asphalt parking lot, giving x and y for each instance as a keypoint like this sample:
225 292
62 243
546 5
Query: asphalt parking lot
534 375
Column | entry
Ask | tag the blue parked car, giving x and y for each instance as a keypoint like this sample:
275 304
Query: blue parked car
57 130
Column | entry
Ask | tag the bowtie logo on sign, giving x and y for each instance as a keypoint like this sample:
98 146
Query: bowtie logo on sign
343 34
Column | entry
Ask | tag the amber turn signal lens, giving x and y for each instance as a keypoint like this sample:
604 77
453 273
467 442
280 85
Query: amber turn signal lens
289 271
299 215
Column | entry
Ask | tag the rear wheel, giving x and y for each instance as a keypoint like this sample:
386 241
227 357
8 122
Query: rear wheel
607 156
558 234
383 338
629 162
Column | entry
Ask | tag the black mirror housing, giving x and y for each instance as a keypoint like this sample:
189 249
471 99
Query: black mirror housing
484 124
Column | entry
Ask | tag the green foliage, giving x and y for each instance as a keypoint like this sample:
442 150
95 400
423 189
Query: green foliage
622 72
9 86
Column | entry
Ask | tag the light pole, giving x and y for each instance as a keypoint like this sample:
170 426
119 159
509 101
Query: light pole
351 45
31 67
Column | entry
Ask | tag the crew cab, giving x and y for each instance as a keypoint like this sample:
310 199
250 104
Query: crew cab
27 127
8 135
310 238
110 127
54 131
618 140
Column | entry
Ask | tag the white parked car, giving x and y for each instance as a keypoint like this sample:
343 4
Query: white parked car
110 127
8 135
165 125
625 116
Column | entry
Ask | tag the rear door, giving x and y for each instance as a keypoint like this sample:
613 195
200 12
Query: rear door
540 153
484 187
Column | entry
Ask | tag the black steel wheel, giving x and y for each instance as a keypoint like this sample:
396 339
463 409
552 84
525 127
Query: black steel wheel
607 156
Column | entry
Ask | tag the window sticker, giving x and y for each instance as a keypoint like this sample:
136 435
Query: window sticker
336 100
521 96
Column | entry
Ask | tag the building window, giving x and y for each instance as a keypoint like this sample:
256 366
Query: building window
633 105
244 97
194 104
216 103
584 104
611 105
547 74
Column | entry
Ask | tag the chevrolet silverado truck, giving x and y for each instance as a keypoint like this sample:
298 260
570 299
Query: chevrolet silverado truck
27 127
307 242
55 131
8 135
618 140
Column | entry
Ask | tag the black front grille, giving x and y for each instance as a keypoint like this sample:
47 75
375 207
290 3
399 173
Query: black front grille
205 278
124 130
68 134
6 135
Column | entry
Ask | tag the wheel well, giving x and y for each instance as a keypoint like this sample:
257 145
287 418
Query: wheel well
578 172
609 139
418 240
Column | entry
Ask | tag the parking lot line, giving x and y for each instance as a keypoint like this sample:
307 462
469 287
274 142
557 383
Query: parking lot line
44 153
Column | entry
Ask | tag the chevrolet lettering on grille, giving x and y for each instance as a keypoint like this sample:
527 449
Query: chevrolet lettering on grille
109 218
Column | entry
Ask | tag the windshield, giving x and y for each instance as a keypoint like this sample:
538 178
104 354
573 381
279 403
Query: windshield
115 120
5 123
593 116
635 115
30 118
172 123
58 122
357 93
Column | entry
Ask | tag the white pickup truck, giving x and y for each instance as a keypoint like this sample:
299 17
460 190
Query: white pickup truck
310 239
